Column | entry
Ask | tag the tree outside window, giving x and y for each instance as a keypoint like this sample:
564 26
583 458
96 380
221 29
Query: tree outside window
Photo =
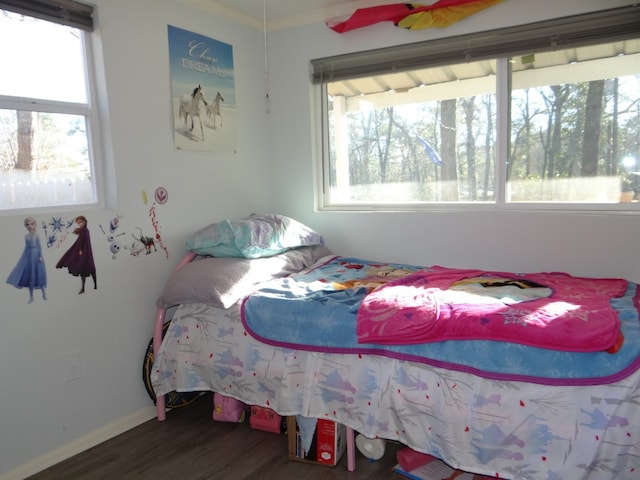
430 135
45 117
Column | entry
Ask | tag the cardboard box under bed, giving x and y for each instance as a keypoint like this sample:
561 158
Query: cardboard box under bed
328 445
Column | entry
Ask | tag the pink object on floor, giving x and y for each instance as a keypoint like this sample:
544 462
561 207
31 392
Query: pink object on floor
227 409
265 419
409 459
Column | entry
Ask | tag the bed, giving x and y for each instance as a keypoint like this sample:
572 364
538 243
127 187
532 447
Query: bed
508 408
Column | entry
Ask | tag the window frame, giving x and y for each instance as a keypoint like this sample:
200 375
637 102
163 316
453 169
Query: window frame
79 16
580 30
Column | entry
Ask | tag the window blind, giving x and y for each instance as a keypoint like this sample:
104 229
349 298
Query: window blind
574 31
65 12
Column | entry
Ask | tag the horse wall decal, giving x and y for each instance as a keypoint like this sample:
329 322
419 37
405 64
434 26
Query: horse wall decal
213 109
190 106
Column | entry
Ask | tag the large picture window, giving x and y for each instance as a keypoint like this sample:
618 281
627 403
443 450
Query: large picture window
46 114
552 121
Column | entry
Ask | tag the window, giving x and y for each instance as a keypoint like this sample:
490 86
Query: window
46 116
542 115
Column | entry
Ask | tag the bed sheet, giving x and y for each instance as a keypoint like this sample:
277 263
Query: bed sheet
497 428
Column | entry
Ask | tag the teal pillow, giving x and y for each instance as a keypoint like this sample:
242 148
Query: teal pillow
253 237
216 240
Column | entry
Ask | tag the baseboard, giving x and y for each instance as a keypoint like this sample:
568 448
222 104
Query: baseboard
81 444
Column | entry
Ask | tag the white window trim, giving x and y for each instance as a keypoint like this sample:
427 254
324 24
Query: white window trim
94 131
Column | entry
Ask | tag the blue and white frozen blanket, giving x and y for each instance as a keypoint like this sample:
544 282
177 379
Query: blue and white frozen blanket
316 310
502 429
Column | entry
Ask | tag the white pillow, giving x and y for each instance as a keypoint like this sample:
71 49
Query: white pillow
224 281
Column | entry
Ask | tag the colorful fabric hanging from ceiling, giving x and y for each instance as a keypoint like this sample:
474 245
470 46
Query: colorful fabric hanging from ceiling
412 16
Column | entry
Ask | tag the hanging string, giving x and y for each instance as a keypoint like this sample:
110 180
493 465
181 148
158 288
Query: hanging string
266 55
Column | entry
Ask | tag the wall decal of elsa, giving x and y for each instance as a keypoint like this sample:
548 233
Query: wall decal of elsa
30 271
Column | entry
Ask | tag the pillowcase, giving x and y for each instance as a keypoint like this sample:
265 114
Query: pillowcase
223 281
253 237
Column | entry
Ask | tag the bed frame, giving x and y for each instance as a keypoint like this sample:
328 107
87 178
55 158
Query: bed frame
633 399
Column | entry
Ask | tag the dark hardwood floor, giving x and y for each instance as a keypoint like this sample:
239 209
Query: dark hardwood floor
190 445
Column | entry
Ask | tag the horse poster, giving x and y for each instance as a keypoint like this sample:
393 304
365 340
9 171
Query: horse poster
202 92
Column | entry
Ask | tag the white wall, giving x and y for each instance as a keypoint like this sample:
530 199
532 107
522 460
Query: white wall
44 417
597 245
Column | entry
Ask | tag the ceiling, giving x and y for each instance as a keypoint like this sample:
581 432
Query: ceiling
281 14
272 15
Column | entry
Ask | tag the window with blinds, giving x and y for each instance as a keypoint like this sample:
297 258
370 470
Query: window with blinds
544 115
47 117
